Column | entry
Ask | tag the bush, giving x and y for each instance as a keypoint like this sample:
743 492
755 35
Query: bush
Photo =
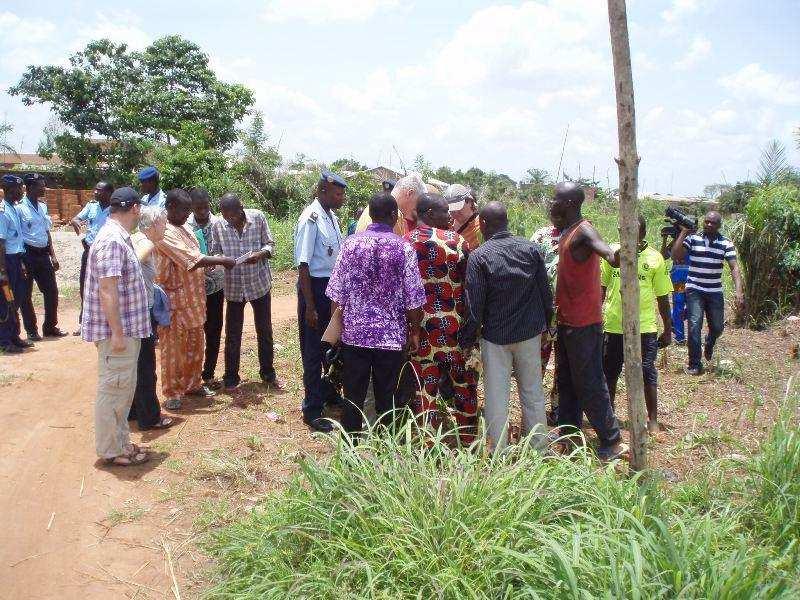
768 242
394 519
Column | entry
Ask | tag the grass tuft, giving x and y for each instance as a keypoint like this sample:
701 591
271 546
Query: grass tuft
392 518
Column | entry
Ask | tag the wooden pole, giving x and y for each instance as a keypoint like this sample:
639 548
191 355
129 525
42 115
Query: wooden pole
628 163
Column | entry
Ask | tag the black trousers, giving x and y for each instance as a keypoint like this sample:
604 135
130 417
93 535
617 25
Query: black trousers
581 383
213 331
358 365
234 320
9 316
82 282
40 269
614 358
146 408
317 391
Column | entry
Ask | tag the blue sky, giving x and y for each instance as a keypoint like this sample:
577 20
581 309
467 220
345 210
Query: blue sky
468 83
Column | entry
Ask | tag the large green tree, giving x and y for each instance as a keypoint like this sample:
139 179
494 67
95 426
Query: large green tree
133 101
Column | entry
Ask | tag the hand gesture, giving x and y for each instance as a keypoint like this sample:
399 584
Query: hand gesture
117 344
56 266
228 262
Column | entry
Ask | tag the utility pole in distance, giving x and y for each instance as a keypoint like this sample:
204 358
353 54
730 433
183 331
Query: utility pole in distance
628 163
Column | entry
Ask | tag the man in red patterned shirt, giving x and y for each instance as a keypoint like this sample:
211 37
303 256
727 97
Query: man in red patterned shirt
439 361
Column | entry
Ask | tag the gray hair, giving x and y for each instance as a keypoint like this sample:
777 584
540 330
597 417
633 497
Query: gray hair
147 216
412 181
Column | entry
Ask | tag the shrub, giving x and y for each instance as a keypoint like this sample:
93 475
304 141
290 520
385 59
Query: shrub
394 519
768 241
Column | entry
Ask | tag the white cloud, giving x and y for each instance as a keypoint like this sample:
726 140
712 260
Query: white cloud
642 63
752 82
325 11
119 27
699 49
680 9
528 46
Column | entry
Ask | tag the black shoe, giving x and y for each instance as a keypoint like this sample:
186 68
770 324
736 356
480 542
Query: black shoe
693 371
20 343
10 349
34 337
55 332
318 424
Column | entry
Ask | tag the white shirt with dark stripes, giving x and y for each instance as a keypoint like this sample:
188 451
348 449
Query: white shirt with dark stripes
706 260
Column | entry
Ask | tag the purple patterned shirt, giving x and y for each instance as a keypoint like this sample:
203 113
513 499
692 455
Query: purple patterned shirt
375 281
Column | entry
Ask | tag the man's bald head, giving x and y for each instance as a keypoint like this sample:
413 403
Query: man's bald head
566 205
712 223
493 218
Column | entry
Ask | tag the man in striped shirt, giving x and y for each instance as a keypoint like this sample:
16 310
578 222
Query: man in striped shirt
706 252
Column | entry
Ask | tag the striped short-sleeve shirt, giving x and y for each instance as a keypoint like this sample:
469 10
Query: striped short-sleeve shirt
706 260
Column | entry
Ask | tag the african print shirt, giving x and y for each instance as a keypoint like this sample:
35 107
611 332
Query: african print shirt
375 281
176 255
442 257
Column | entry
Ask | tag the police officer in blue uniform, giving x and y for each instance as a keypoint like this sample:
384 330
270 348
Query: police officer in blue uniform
40 259
316 245
150 186
13 279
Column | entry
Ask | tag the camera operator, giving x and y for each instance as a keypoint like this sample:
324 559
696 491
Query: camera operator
706 252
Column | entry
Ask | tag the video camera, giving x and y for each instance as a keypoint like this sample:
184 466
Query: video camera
676 220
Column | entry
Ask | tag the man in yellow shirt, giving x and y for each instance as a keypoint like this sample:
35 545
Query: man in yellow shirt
406 192
655 286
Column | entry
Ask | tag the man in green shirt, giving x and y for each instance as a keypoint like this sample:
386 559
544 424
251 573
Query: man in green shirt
655 286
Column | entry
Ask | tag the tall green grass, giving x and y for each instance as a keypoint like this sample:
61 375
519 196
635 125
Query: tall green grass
396 519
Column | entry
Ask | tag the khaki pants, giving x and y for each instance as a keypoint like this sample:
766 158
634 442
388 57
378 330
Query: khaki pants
116 384
526 361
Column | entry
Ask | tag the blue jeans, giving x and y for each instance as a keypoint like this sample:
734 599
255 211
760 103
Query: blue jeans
698 303
678 316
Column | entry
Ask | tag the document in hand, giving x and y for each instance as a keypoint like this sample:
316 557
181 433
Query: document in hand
244 257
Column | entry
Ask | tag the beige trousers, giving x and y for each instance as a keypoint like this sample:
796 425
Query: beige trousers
116 383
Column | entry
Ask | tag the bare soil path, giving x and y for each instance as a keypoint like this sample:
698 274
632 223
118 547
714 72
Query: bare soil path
64 531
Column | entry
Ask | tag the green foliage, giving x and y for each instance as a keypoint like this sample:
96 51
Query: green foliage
773 166
347 164
392 518
191 161
132 101
768 241
735 199
5 129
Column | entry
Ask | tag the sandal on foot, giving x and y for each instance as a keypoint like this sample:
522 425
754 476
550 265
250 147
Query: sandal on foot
128 460
164 423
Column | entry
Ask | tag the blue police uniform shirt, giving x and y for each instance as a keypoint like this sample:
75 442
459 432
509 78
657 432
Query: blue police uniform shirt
11 229
317 240
94 217
35 223
158 199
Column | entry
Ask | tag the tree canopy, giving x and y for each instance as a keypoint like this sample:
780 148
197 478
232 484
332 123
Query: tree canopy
133 101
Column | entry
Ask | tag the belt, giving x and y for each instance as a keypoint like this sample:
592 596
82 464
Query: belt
36 250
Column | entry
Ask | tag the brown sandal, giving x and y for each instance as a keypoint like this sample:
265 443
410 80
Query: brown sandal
128 460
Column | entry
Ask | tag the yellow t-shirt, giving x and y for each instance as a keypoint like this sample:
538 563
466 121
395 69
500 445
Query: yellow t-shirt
654 281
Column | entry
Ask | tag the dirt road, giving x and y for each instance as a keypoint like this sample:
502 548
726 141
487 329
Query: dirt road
60 536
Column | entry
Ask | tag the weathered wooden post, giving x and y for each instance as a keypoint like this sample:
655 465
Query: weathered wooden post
628 163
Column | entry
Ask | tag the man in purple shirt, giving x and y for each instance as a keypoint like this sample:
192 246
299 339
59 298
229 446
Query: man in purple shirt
376 283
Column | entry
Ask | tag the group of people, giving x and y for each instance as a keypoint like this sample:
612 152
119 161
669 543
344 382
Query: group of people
408 288
426 285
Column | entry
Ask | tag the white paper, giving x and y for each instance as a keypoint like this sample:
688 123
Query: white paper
243 258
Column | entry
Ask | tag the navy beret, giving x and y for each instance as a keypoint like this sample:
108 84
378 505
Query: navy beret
332 178
12 180
31 178
125 197
147 173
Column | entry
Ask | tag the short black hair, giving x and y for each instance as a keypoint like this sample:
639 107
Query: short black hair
570 192
199 194
106 185
381 206
229 200
177 195
429 202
